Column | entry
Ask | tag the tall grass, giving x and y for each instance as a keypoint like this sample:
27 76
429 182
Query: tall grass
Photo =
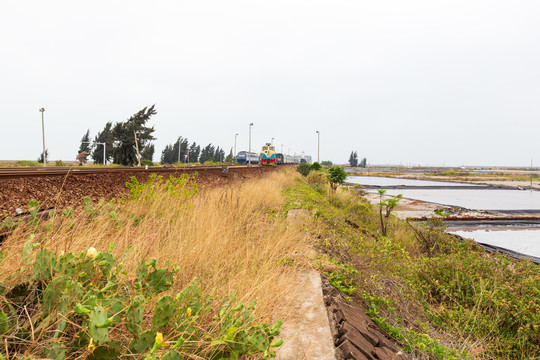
231 238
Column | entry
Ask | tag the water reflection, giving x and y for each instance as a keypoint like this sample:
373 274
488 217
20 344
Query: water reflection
385 181
523 241
481 199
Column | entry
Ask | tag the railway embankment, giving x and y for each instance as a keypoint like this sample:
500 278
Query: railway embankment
62 188
231 268
435 295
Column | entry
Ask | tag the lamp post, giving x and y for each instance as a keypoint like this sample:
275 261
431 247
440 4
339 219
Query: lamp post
249 152
137 147
282 148
234 153
179 148
104 149
318 146
272 142
42 110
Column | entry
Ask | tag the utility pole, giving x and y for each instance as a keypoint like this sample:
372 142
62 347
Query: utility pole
104 149
234 153
42 110
531 175
318 146
179 148
249 152
137 147
272 142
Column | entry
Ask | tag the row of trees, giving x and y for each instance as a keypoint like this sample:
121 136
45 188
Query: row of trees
121 147
353 160
193 153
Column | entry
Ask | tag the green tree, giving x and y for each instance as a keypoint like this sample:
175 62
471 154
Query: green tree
194 152
386 205
315 166
85 143
105 136
124 136
40 158
230 157
303 169
327 163
206 153
353 159
148 153
169 155
363 163
336 176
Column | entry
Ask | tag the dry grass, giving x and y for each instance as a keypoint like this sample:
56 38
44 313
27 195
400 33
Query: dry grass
231 239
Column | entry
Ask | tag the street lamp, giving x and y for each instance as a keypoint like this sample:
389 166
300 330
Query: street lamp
272 142
282 148
234 154
318 146
179 148
137 147
42 110
249 152
104 149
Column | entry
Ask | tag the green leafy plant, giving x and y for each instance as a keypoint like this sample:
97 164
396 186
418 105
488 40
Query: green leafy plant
315 166
303 169
336 176
85 303
386 206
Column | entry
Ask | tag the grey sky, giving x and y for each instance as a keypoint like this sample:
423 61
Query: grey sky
411 82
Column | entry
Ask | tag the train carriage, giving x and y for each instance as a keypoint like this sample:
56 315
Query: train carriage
244 158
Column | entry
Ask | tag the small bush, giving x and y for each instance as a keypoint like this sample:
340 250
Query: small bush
147 162
316 177
315 166
61 163
303 169
27 163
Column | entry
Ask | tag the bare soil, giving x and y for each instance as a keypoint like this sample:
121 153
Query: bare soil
60 192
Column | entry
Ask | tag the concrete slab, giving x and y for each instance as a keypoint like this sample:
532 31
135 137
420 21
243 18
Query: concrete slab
307 334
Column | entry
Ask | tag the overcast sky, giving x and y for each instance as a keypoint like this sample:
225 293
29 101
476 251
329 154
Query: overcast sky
402 82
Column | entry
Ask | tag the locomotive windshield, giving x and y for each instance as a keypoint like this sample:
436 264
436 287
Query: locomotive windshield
265 147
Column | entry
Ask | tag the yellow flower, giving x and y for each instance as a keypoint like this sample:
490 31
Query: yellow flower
91 345
188 312
159 339
91 253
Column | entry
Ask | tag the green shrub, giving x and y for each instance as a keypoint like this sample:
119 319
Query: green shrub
147 162
85 304
61 163
303 169
27 163
315 166
336 176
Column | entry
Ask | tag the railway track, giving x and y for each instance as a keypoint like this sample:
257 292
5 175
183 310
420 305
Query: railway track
14 172
61 187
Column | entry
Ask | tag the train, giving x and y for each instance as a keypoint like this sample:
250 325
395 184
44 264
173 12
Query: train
269 156
244 158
